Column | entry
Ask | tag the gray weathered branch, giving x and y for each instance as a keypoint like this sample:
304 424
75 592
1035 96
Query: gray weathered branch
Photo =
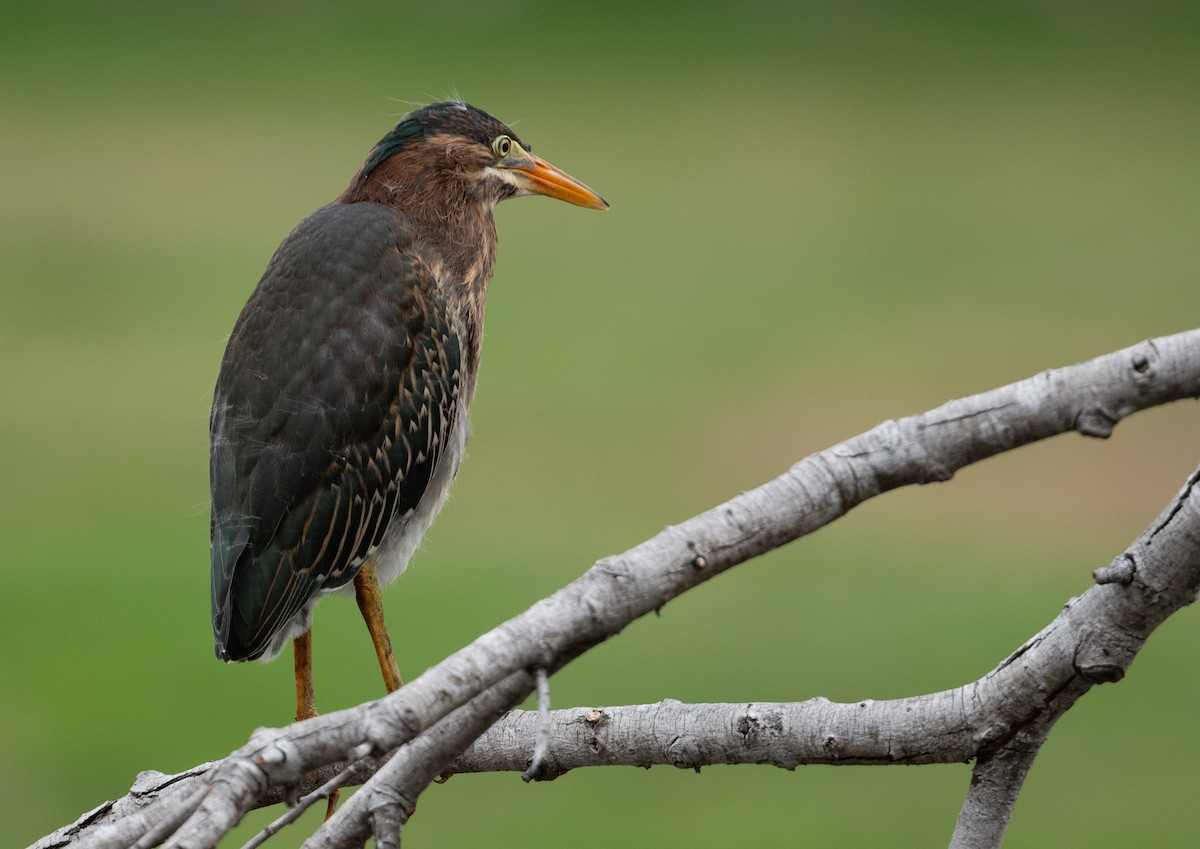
1090 398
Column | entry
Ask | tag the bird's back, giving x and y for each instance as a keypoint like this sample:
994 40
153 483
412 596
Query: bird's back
336 399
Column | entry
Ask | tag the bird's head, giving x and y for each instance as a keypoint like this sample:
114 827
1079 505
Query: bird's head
452 154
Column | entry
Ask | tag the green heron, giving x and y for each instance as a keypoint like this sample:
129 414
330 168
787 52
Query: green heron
340 411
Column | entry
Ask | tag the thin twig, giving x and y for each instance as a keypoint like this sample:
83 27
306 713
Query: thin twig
541 738
355 772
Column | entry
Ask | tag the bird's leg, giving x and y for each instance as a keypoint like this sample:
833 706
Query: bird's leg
370 603
306 703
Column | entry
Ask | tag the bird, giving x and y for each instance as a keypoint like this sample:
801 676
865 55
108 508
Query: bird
339 414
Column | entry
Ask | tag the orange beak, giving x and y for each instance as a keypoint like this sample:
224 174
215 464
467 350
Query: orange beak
539 177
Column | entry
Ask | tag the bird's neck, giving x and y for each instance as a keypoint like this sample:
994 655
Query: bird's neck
442 208
469 252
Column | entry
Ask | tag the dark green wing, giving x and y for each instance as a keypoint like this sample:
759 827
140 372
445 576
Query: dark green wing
335 398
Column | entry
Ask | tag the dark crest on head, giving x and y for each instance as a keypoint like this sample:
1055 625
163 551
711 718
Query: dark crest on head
451 117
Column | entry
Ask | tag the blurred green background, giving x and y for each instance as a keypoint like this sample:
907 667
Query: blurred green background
823 215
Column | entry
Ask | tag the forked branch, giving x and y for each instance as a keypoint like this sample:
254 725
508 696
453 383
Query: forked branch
468 688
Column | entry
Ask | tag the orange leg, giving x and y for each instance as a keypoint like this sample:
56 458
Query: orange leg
306 703
370 603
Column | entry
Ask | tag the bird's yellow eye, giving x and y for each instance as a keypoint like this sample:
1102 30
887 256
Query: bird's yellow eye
502 146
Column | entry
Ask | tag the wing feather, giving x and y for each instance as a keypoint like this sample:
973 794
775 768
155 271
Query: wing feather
346 343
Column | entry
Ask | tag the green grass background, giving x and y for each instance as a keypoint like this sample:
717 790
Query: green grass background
823 215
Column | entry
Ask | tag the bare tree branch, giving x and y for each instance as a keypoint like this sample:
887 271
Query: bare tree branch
1089 397
996 782
1001 719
